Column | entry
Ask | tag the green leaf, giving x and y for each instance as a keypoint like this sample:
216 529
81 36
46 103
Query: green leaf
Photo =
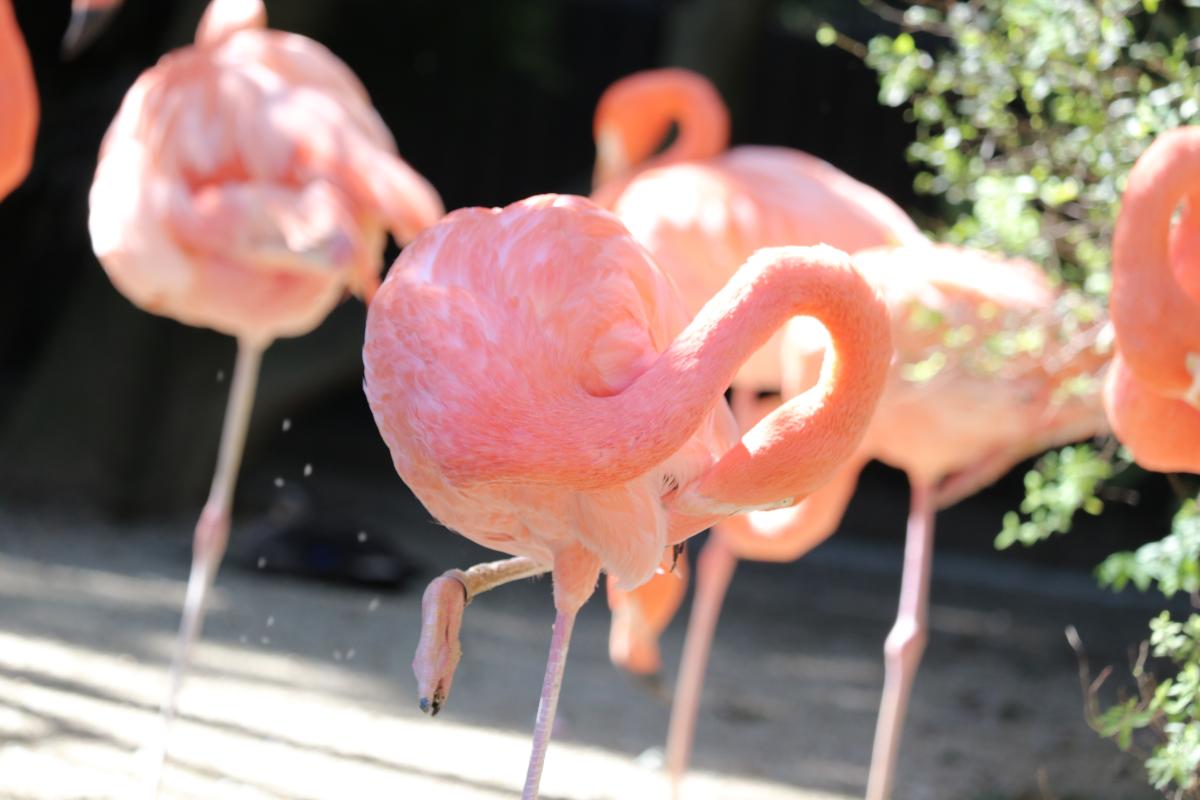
1173 563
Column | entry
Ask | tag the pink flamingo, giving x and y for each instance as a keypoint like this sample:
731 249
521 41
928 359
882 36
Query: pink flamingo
701 209
245 184
1152 393
19 99
953 418
567 416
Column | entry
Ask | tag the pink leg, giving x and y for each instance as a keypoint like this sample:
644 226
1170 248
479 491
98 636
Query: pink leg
564 622
442 608
210 539
905 644
575 573
714 570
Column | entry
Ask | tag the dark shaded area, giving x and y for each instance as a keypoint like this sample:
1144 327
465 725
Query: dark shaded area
105 407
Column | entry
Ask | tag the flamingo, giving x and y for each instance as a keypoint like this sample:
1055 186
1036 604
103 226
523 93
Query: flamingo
1152 393
953 430
701 209
531 373
245 184
19 99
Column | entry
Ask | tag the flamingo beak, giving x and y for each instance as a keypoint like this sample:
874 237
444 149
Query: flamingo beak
89 19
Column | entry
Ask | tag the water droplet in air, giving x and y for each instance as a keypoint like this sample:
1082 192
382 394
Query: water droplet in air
350 654
362 536
279 483
374 604
270 621
265 640
287 424
262 561
220 376
307 470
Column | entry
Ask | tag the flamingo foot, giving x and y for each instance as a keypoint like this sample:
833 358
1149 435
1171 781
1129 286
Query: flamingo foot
442 607
439 650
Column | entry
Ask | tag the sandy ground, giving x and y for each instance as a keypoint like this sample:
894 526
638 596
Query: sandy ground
303 690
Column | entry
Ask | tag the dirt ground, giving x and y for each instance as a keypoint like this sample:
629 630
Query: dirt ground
304 690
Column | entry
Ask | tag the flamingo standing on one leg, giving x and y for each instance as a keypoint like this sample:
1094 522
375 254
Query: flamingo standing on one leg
19 101
702 209
952 431
521 368
1152 393
244 185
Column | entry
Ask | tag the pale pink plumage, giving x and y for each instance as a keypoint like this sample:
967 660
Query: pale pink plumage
246 182
245 185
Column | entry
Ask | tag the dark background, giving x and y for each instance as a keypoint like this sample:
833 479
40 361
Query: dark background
107 410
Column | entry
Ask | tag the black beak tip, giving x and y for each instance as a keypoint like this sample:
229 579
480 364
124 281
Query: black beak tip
431 707
85 27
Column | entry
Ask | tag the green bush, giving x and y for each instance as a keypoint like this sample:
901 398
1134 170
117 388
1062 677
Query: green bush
1028 116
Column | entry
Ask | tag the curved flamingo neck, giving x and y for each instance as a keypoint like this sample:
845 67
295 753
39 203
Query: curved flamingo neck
1157 324
793 451
636 113
701 117
642 426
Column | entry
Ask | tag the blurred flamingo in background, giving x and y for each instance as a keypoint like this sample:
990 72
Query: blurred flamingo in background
532 375
1152 394
953 417
245 184
19 101
702 209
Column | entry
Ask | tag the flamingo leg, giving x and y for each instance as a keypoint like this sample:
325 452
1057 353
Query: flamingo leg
714 570
564 622
210 539
905 643
442 607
